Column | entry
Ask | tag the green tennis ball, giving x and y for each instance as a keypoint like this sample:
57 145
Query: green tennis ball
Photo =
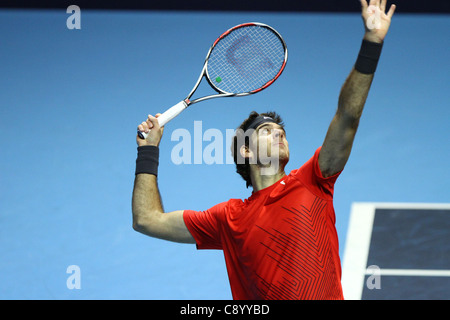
218 79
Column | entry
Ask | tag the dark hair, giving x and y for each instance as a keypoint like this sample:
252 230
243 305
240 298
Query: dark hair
243 165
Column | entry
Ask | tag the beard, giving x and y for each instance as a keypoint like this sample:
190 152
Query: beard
271 160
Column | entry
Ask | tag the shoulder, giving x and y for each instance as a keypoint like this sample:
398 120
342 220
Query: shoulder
310 167
310 175
218 210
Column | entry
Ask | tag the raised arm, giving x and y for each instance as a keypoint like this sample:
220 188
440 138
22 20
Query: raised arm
148 214
338 142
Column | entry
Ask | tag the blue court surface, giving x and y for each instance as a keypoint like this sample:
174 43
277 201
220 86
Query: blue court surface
71 100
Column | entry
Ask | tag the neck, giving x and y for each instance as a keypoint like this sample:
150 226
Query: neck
263 177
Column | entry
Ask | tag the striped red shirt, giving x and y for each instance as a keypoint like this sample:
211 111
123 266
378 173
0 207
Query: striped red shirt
281 242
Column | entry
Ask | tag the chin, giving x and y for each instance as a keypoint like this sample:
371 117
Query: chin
283 156
284 160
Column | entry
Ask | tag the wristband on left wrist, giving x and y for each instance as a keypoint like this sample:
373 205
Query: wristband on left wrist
368 57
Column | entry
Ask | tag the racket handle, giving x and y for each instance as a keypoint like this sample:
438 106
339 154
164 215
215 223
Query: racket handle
167 116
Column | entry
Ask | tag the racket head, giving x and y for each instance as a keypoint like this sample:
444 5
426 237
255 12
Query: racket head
246 59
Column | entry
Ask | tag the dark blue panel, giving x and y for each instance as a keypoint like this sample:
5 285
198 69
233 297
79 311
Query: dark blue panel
410 239
409 288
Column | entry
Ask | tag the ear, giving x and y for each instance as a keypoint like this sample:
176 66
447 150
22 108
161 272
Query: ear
245 152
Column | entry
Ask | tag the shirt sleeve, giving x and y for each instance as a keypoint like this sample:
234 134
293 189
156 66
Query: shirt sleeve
204 226
311 175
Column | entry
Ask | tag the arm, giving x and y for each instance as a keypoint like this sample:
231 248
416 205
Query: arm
341 133
339 139
148 213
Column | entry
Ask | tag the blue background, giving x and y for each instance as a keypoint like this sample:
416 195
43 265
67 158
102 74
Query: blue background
70 102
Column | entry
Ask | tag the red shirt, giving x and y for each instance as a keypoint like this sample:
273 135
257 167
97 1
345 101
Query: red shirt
281 242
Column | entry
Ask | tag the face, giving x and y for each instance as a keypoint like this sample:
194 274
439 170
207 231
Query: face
271 144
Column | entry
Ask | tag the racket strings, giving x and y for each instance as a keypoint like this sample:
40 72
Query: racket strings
246 59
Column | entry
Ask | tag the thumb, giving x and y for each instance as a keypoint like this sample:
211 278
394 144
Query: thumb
152 122
156 116
364 5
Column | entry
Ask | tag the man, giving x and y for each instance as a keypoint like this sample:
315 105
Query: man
281 242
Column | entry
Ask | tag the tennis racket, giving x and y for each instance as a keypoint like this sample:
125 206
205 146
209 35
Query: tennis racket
244 60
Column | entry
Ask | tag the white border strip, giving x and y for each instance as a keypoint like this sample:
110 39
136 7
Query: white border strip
357 249
405 205
412 272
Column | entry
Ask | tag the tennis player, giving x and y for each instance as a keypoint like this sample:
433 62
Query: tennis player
281 242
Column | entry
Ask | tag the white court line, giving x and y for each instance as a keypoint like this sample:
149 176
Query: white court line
411 272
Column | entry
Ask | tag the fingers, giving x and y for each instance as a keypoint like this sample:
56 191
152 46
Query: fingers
149 124
382 6
144 127
391 11
378 4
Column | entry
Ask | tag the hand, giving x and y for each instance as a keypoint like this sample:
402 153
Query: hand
376 21
150 126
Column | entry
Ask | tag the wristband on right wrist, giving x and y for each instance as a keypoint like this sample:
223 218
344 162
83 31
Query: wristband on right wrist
368 57
147 160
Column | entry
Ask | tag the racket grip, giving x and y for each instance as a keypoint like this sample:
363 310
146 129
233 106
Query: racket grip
167 116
